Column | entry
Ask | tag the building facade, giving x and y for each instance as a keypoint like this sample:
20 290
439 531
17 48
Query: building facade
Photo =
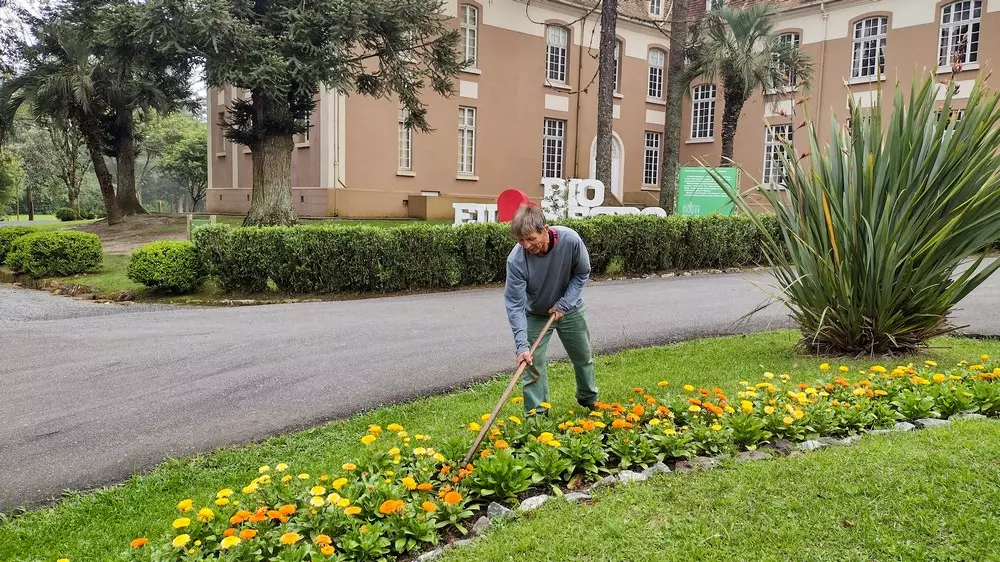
526 107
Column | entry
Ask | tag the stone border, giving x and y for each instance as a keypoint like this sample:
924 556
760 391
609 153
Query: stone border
781 447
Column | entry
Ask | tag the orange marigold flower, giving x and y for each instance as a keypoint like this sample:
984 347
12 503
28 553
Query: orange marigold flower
802 386
247 534
621 424
451 498
633 418
485 453
425 487
139 542
287 509
229 532
259 517
429 506
577 430
501 444
445 470
323 540
240 516
638 390
274 514
638 410
290 538
694 401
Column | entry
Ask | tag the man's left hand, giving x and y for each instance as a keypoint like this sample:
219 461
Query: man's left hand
557 313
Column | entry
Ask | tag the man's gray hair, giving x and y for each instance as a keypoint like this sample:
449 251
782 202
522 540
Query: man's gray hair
528 220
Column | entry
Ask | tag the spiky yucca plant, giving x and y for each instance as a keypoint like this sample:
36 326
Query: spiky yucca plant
878 224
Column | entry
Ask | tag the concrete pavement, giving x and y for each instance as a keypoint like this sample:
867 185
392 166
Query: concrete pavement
88 397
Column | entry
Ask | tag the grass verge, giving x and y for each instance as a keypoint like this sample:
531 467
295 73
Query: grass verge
98 525
922 495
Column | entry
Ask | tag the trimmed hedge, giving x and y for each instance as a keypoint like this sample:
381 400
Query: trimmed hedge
8 235
66 214
170 265
55 254
365 259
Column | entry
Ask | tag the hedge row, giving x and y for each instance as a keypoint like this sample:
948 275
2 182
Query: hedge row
341 258
55 253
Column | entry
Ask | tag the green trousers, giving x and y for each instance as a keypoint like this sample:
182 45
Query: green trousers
575 337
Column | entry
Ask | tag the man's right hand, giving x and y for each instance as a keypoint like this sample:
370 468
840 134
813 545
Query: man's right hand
524 357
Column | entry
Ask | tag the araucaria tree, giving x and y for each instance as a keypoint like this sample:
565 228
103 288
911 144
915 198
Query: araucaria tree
738 47
284 51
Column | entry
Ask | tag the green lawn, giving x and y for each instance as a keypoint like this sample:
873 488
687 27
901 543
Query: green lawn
110 280
712 508
925 495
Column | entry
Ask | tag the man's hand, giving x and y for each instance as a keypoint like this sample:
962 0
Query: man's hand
524 357
557 313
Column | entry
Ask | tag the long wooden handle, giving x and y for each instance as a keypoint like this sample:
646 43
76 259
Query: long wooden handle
503 398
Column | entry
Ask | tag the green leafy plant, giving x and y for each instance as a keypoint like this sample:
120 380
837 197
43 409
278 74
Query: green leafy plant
55 254
875 226
631 449
9 234
547 463
669 443
951 399
500 477
913 404
585 452
170 265
747 429
986 397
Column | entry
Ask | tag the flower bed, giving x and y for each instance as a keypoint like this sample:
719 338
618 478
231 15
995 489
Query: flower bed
407 492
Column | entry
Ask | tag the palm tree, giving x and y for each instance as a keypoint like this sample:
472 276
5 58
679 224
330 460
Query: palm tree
739 48
62 79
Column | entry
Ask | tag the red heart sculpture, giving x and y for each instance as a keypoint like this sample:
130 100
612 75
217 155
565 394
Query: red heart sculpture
509 202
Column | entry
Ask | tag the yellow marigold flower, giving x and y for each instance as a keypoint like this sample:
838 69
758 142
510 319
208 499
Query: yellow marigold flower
286 478
881 392
349 467
205 515
769 375
185 506
63 560
597 414
374 429
669 431
409 483
984 358
939 378
601 425
317 501
229 542
389 473
788 420
317 490
473 426
368 439
930 363
328 550
746 406
716 427
224 493
769 410
799 414
438 457
858 391
182 522
263 469
222 501
344 502
420 451
789 408
977 368
546 405
843 369
281 467
333 498
517 400
694 408
339 483
878 369
654 421
290 538
955 377
688 388
824 367
515 420
304 476
180 541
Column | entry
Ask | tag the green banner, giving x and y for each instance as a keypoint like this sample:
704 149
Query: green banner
698 194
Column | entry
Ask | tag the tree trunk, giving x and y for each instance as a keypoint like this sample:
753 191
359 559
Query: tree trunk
271 202
29 200
730 119
606 94
104 179
128 197
675 106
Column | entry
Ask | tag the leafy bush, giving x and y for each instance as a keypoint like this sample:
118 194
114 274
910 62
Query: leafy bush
876 226
66 214
350 258
170 265
55 254
7 236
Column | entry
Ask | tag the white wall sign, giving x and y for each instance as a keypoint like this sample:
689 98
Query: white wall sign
561 199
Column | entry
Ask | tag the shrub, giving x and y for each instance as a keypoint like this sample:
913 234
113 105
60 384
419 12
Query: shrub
55 254
211 245
170 265
482 252
876 226
66 214
8 235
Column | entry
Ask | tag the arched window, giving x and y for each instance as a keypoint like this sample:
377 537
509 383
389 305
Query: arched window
869 47
657 58
470 34
959 40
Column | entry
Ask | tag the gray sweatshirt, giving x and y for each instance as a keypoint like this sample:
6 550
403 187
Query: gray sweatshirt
537 283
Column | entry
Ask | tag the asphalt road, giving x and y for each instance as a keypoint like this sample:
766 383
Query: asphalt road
91 393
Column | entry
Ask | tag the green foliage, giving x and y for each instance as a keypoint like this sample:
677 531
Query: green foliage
11 176
361 258
547 464
876 226
9 234
170 265
186 162
66 214
499 477
55 254
912 404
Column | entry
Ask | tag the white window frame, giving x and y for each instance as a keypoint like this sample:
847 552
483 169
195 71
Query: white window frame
953 30
619 49
773 147
870 34
703 112
554 137
651 159
656 8
466 140
556 54
470 34
795 39
404 143
654 82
